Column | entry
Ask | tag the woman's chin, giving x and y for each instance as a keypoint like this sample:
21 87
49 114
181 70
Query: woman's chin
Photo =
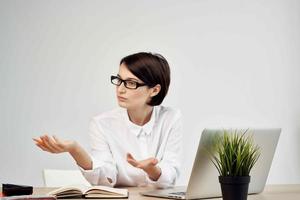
122 104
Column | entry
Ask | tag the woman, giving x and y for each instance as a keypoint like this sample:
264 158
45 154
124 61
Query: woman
137 144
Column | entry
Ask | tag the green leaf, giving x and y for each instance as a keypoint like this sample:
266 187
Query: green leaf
235 153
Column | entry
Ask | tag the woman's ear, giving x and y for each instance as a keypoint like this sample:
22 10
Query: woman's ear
155 90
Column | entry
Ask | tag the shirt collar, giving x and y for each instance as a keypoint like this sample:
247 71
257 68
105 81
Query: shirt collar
146 128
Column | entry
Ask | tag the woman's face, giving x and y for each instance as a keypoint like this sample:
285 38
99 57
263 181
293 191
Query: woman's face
132 98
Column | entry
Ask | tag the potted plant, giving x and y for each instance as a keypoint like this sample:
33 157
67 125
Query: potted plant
235 155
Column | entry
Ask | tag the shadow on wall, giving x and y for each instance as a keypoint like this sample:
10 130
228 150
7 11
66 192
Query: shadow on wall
298 145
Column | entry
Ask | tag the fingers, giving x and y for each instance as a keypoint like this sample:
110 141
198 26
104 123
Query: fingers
52 143
154 161
132 161
39 142
150 162
57 140
37 139
143 164
42 147
47 143
129 156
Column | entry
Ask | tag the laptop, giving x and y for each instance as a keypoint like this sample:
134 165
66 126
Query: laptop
203 181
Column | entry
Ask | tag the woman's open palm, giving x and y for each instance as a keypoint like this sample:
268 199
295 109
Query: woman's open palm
142 164
53 144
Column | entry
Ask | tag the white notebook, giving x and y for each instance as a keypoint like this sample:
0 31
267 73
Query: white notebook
60 178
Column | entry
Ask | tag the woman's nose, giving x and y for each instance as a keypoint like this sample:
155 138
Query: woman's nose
121 88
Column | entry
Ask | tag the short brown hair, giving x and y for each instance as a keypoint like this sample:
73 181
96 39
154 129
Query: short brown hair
152 69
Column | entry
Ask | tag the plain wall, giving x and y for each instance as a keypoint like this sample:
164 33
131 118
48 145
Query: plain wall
234 64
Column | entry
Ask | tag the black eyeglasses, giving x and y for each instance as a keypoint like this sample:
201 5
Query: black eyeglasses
130 84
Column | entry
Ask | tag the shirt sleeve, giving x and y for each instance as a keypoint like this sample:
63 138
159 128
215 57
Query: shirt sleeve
104 166
171 158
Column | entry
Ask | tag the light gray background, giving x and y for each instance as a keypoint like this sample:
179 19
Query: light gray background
234 63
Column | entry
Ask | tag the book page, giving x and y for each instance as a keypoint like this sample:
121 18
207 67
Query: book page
106 191
69 190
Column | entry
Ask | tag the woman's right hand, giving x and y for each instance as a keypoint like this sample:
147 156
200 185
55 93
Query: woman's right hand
54 144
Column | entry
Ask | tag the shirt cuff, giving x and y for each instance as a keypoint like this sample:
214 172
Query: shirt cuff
167 178
99 174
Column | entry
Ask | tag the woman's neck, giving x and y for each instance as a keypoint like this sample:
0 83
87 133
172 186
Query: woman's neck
140 116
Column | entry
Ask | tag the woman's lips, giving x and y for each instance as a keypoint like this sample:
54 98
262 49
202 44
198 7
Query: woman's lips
121 98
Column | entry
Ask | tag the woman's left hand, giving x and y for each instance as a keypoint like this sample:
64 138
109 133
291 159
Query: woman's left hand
148 165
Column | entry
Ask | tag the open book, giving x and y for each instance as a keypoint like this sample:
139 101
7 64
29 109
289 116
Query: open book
89 192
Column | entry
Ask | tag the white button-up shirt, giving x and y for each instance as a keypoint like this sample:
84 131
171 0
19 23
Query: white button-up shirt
113 135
